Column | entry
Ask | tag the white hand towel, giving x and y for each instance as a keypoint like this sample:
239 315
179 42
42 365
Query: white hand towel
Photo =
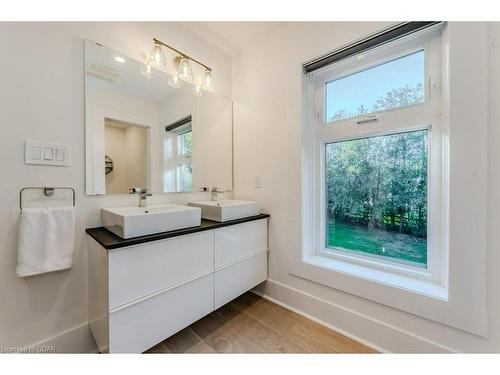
46 240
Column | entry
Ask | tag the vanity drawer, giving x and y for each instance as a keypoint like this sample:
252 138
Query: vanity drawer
138 327
138 271
236 279
239 241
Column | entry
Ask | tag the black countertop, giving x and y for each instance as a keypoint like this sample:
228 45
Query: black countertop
111 241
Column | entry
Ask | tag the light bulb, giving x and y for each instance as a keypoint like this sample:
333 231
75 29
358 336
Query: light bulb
197 90
174 81
146 70
207 79
157 57
157 54
185 71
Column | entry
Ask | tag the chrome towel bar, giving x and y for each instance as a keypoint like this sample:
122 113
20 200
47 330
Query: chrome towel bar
47 190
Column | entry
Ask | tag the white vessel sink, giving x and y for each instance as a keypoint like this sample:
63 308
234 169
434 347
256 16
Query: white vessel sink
227 209
128 222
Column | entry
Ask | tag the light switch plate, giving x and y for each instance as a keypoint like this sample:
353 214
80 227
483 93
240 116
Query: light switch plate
48 153
36 152
44 153
258 182
60 154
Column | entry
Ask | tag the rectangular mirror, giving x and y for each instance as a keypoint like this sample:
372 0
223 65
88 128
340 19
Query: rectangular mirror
141 132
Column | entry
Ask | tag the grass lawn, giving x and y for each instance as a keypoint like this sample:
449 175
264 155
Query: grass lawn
377 242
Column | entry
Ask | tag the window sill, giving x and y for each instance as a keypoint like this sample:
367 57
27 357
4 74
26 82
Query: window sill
366 274
417 297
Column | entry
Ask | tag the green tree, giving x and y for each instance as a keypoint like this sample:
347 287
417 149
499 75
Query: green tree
381 182
403 96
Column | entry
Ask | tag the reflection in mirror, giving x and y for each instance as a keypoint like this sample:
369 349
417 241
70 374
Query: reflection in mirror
142 132
177 156
126 156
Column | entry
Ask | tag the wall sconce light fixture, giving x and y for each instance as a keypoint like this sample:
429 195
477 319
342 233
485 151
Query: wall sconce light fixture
182 67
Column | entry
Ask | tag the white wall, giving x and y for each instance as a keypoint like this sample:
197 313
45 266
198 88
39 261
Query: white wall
267 128
116 180
136 140
42 98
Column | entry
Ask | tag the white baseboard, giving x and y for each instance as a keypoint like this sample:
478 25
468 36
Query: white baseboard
368 331
76 340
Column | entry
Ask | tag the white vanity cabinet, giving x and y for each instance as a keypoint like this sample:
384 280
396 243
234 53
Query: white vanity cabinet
142 293
240 259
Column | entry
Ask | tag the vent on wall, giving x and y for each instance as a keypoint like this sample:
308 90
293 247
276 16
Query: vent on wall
103 72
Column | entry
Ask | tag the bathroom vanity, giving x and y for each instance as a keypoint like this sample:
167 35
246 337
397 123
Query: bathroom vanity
145 289
155 270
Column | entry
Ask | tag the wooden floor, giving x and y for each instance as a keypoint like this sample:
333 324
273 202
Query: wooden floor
251 324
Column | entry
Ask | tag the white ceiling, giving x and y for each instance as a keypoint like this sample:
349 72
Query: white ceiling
231 36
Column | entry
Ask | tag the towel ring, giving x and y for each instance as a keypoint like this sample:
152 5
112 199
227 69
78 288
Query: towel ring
47 190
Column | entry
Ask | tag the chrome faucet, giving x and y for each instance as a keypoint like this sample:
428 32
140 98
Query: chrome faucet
214 193
143 195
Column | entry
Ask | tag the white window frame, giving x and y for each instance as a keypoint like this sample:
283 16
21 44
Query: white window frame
183 160
464 304
181 146
427 115
370 60
177 159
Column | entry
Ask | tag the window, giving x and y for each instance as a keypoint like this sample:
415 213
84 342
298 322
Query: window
185 142
397 83
185 177
177 156
375 194
452 287
185 169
